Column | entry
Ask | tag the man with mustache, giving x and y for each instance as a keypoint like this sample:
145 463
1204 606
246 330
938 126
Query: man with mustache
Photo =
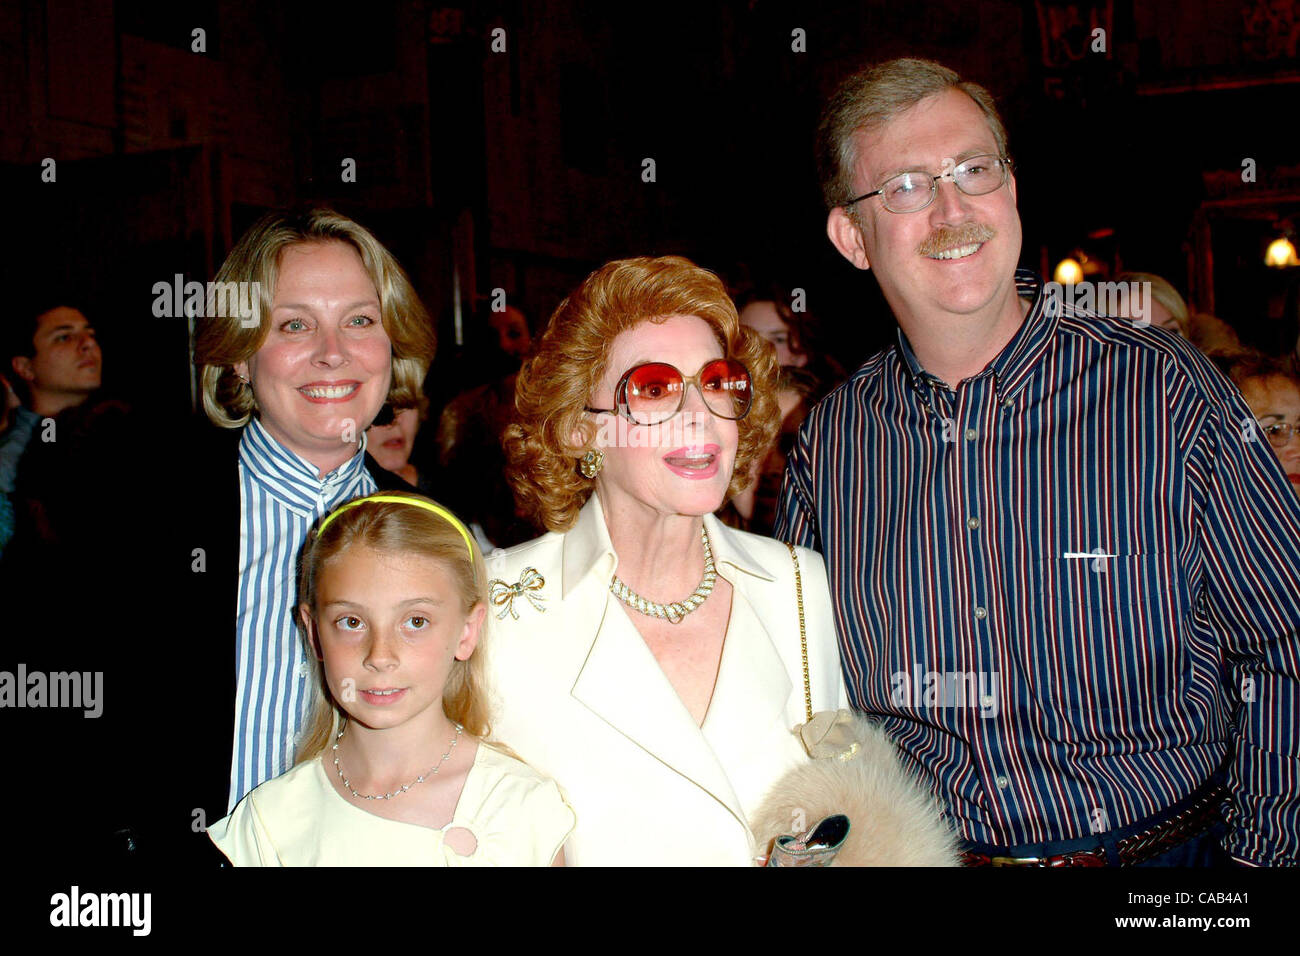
1078 505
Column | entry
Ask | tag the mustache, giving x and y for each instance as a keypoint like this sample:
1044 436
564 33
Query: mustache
952 237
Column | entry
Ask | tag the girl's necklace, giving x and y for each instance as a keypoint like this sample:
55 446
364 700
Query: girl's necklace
405 787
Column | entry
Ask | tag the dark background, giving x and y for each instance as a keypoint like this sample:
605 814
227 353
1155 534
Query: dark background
522 170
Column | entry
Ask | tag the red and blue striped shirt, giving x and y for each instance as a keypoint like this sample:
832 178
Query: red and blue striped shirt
1069 588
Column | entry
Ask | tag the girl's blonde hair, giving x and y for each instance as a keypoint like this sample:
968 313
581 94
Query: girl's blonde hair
395 527
223 338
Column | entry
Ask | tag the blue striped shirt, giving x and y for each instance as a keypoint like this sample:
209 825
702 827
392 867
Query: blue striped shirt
281 497
1069 588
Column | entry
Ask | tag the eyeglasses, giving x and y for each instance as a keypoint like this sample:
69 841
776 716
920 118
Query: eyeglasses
654 392
913 191
1279 433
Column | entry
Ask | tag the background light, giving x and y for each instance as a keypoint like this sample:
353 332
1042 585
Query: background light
1068 272
1280 254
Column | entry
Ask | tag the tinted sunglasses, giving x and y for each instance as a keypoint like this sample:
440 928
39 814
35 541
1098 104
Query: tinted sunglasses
654 392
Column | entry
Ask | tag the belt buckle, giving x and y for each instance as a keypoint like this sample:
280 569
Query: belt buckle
1017 861
1093 857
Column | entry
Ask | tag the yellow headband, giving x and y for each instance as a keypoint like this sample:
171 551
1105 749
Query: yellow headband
399 500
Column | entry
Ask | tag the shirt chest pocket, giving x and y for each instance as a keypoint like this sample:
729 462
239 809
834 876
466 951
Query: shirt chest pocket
1105 633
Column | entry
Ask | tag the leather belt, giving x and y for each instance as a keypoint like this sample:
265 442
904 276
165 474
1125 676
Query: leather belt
1151 842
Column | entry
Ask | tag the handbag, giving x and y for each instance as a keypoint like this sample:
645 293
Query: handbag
825 735
853 775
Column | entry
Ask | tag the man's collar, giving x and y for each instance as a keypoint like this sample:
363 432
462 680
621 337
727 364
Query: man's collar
588 549
1012 365
1017 360
917 375
288 476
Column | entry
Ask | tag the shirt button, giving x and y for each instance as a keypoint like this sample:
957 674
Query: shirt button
1007 403
1002 782
987 701
972 523
981 613
970 434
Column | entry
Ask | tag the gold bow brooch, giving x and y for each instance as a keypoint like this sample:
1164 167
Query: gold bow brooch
503 595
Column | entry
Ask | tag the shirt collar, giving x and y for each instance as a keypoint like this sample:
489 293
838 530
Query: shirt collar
1017 360
289 477
1013 364
587 549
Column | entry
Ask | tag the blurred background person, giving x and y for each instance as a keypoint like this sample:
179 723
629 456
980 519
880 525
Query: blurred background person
55 357
391 438
52 363
754 508
513 335
1168 310
1211 334
63 441
1272 391
9 406
70 573
766 307
769 320
469 434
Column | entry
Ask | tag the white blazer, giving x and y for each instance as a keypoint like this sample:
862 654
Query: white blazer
579 696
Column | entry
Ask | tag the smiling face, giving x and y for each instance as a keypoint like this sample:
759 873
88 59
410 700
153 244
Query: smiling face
682 466
1277 400
763 318
931 265
388 627
324 369
66 364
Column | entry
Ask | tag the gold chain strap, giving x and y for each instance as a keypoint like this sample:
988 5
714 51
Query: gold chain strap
803 633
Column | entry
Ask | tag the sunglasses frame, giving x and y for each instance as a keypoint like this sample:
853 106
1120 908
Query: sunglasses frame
620 393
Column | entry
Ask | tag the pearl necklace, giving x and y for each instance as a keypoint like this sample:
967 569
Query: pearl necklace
674 612
405 787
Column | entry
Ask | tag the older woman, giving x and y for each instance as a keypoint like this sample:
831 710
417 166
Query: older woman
647 656
337 330
1272 391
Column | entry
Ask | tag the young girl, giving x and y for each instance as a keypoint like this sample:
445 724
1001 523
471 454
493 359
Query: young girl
392 769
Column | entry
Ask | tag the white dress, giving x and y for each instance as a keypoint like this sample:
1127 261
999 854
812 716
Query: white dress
577 693
298 819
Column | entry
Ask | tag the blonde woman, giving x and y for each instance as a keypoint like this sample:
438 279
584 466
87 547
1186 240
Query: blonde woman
1272 390
337 330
